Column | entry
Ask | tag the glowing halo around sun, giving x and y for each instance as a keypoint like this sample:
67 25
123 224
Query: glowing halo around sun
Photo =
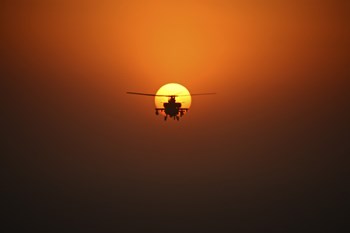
173 89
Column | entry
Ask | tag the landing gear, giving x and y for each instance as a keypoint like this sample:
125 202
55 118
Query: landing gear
157 113
166 117
177 118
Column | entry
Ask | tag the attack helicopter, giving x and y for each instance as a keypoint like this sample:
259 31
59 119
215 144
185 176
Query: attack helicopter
171 109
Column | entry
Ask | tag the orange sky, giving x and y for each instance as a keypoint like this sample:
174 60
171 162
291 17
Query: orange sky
258 57
279 68
185 41
268 61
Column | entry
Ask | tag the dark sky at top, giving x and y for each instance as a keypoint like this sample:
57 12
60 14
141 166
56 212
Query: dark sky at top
268 153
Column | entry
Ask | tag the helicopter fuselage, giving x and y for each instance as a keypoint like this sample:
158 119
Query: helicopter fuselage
172 109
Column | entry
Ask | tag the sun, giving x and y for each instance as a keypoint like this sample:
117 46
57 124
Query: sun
173 89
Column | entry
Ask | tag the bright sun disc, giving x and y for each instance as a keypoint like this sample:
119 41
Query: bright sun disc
173 89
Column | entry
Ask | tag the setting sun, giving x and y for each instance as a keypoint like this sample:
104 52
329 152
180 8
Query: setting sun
184 96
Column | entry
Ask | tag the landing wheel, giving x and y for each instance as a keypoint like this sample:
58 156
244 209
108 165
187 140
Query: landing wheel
166 117
177 118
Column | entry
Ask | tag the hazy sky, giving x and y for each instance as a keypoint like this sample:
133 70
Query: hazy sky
267 153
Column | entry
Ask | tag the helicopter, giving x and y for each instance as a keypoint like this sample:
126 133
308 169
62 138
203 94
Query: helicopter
171 108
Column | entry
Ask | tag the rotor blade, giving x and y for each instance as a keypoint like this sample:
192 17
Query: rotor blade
204 94
198 94
138 93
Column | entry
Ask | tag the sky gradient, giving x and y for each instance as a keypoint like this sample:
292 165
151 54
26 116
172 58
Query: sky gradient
267 153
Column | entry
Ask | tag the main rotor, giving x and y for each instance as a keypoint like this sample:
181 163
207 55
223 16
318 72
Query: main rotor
172 108
171 96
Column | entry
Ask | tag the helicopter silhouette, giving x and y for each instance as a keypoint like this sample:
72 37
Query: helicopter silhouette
171 108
